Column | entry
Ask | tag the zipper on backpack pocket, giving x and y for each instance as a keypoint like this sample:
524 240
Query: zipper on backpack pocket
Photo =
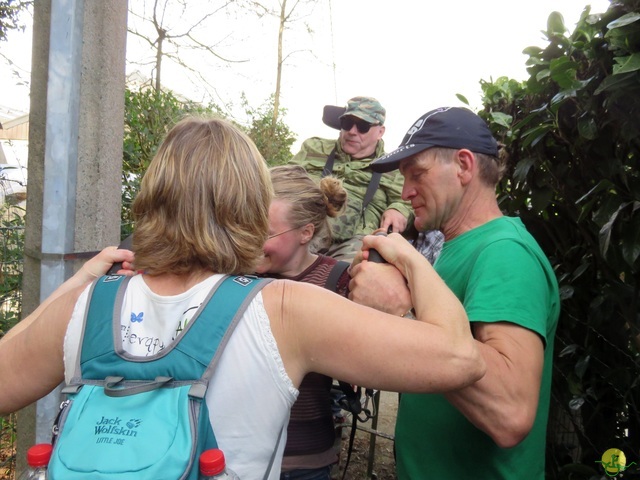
60 419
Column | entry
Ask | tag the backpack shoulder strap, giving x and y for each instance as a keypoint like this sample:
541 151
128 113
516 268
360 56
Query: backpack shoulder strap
371 190
103 309
189 358
335 274
328 167
226 305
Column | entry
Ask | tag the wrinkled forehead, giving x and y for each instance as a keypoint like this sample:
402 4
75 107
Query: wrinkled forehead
419 159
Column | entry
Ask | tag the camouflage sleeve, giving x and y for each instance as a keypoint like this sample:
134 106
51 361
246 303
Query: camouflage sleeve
313 155
391 185
299 158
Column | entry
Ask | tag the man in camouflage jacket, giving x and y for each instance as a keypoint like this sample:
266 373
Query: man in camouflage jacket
361 126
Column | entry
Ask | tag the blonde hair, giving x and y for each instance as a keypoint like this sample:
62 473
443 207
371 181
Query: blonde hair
203 202
309 202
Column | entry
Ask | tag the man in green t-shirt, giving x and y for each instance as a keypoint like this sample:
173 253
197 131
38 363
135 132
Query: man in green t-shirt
495 428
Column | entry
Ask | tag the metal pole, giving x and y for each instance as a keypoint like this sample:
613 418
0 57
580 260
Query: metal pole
60 165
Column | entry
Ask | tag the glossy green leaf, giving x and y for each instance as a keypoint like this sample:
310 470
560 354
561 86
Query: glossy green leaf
624 20
462 98
555 24
627 64
576 403
559 98
534 135
631 239
566 292
542 74
563 72
522 168
582 365
532 51
580 270
501 119
619 81
607 230
600 186
569 350
588 128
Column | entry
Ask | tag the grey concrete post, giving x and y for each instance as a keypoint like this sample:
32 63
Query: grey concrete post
75 155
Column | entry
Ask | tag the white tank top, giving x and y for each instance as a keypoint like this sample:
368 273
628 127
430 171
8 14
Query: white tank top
250 394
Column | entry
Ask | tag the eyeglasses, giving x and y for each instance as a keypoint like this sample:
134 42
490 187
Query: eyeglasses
281 233
347 123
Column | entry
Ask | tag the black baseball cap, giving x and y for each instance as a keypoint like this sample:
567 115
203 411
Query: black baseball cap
446 127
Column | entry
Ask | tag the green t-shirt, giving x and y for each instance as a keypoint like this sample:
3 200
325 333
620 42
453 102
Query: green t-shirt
499 273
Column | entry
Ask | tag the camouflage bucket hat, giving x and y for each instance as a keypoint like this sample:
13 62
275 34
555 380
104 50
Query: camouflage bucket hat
367 109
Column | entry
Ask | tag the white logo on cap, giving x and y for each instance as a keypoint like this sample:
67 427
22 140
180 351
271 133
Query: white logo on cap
396 151
420 123
416 126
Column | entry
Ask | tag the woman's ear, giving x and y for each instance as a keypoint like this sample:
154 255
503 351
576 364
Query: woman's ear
307 233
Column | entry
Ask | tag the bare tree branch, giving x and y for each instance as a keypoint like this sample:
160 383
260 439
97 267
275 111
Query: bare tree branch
169 38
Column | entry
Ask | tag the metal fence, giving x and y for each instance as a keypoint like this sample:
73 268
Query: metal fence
11 261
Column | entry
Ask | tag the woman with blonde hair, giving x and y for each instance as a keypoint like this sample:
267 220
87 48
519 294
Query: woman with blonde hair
298 227
202 213
299 224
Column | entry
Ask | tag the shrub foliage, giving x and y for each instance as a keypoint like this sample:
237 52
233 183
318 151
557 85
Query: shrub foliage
572 132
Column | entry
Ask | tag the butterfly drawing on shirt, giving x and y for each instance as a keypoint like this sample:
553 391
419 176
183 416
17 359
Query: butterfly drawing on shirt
136 318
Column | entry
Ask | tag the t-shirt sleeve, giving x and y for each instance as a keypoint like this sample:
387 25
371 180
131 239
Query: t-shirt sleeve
508 284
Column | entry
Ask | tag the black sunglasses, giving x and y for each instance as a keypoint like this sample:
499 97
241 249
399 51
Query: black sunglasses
347 123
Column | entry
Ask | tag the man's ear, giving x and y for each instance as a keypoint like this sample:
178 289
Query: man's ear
467 164
381 132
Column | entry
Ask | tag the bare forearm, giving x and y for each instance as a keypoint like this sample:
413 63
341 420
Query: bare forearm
436 304
432 300
31 360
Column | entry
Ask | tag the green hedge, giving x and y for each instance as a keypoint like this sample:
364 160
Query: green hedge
572 132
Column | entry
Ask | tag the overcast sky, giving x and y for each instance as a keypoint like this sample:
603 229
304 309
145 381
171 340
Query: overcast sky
412 55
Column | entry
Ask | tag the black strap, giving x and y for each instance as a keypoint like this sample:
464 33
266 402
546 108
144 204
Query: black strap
352 401
371 190
335 274
328 167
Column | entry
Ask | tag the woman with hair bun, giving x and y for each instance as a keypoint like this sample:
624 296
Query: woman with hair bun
298 227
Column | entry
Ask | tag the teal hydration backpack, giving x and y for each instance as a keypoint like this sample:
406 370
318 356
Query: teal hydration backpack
138 418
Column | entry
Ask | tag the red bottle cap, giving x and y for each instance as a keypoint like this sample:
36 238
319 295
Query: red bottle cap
212 462
39 455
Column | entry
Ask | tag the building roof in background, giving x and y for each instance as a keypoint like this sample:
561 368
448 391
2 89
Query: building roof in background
14 124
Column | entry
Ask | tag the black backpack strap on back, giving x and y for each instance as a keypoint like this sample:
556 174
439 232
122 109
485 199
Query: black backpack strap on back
335 274
328 167
371 190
